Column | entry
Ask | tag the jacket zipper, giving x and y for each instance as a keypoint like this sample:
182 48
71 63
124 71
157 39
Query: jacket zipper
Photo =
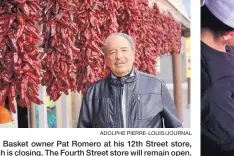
121 96
139 106
127 110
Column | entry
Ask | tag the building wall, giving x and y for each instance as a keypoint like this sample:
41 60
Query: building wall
76 104
166 71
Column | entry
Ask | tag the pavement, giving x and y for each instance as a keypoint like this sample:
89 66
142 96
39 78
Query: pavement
186 110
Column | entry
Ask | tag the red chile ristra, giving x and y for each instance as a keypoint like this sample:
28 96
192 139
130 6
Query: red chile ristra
19 66
58 43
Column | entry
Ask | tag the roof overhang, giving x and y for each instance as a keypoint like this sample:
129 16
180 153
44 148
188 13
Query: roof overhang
178 11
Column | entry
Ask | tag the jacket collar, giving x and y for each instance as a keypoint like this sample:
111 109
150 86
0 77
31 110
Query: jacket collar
131 77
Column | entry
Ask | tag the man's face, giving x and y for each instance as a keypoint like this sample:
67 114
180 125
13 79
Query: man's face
119 56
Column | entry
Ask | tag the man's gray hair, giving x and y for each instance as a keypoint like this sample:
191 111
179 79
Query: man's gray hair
126 36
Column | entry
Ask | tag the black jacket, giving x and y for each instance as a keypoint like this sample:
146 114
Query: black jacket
217 99
148 103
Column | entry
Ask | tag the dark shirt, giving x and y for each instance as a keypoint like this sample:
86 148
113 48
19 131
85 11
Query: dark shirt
217 103
215 65
230 49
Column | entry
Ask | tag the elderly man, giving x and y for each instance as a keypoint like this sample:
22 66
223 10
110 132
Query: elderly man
126 98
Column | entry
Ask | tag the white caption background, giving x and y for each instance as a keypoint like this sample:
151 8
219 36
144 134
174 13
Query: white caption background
93 135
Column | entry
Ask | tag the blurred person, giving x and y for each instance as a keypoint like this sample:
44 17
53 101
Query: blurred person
126 98
217 78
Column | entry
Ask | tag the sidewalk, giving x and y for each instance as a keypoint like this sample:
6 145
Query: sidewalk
186 110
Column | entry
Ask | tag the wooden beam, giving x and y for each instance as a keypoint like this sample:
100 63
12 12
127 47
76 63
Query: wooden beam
176 65
43 108
59 113
15 115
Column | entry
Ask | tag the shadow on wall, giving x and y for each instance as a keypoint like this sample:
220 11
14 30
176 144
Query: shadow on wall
166 72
